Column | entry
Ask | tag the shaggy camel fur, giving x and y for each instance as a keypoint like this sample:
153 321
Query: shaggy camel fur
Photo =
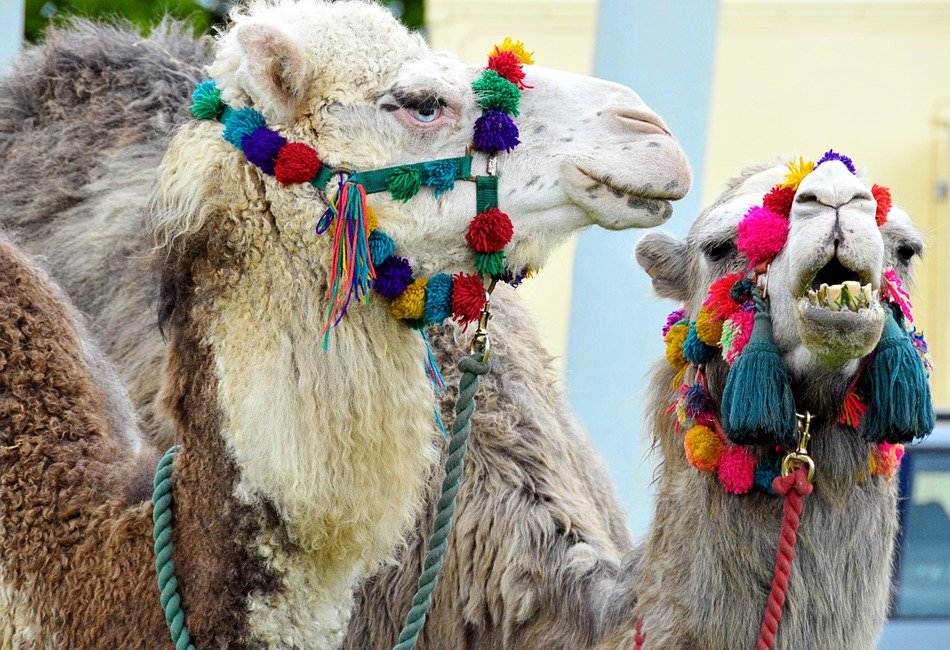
238 271
707 563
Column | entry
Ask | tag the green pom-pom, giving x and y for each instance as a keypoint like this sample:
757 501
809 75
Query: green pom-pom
758 407
494 91
404 183
206 101
492 264
900 406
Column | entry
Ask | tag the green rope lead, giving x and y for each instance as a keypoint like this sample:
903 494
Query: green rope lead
164 549
471 367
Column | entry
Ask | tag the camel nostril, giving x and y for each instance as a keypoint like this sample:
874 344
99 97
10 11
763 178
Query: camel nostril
640 121
806 197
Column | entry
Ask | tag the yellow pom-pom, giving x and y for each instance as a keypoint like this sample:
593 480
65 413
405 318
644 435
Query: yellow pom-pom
410 304
703 448
674 345
709 331
681 416
516 48
797 172
372 221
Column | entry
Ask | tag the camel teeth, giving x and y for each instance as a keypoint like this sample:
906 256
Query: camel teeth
823 295
868 296
812 298
834 297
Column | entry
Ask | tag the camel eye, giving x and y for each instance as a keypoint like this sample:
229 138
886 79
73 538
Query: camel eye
719 251
906 252
425 114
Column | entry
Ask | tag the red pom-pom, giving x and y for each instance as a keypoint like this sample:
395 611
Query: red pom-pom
883 197
762 235
508 65
489 231
736 470
719 300
468 298
296 163
779 200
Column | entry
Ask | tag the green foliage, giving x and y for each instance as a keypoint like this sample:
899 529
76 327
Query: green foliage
144 14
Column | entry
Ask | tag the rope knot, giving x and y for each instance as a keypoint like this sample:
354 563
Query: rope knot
472 364
797 482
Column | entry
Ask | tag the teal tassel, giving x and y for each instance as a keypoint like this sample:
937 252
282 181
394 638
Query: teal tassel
900 407
758 407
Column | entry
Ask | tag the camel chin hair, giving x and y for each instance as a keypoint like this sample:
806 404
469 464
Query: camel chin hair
708 561
302 470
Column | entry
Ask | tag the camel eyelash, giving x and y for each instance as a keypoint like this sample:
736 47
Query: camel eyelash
427 102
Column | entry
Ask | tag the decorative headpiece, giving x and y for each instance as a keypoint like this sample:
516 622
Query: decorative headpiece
889 399
365 257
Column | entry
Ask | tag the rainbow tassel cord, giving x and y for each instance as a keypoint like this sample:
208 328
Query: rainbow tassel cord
365 257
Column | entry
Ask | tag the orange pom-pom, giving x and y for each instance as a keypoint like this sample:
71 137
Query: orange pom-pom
703 448
468 298
884 203
296 163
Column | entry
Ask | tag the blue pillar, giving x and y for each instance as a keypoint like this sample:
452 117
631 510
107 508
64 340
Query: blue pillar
663 49
11 30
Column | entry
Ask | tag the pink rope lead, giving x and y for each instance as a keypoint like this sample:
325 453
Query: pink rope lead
793 487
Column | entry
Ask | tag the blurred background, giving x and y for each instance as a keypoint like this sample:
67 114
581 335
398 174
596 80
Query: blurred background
737 81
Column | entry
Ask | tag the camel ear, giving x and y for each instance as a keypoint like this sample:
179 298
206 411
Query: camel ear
274 72
663 257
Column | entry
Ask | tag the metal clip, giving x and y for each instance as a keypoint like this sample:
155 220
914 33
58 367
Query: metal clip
800 458
492 165
481 342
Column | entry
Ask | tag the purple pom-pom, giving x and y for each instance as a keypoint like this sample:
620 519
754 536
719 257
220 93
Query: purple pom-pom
495 131
514 279
696 400
261 148
831 154
392 277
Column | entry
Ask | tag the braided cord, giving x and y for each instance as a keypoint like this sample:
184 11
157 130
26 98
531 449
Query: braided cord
164 550
471 367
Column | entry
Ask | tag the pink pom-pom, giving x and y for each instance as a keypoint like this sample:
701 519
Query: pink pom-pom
736 470
762 235
892 289
743 320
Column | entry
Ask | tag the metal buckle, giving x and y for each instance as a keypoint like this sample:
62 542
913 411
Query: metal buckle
481 342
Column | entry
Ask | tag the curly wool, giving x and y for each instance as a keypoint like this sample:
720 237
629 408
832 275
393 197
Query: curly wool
410 304
762 235
392 277
296 162
495 131
206 101
736 470
438 305
468 297
494 91
440 175
404 183
703 448
490 231
241 123
508 66
779 201
884 203
261 148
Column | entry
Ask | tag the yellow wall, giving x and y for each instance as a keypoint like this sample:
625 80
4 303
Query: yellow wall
561 33
863 77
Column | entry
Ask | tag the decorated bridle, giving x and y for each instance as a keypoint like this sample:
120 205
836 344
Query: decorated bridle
888 400
364 256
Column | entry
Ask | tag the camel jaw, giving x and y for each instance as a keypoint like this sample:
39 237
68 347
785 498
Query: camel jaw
840 330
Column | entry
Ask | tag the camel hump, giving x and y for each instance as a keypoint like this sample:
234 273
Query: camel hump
51 373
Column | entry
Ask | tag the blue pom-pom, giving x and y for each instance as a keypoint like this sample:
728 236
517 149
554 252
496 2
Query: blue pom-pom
242 123
765 473
495 131
695 351
696 400
381 247
440 175
438 299
261 148
392 277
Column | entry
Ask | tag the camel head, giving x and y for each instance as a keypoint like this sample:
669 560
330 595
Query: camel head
810 262
347 80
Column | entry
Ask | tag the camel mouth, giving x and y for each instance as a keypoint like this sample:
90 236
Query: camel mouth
622 191
836 287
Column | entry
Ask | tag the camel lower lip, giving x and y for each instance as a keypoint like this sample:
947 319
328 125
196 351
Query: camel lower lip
617 190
